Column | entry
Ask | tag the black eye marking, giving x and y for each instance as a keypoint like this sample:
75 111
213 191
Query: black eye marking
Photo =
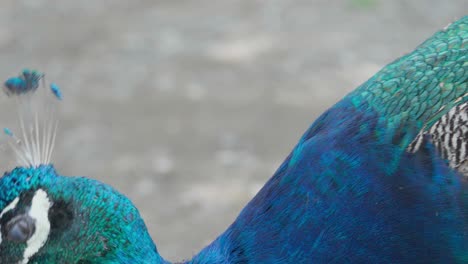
20 228
22 207
60 215
26 197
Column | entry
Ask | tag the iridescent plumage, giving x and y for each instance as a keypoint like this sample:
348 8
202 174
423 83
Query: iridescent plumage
377 178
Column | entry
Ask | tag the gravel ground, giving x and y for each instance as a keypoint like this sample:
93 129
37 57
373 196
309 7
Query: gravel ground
188 107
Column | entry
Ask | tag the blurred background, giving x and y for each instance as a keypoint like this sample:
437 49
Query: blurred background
188 107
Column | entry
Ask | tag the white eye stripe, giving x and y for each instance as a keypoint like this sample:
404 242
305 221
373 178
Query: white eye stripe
39 211
8 208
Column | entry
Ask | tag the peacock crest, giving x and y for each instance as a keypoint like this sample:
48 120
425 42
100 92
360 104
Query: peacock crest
33 140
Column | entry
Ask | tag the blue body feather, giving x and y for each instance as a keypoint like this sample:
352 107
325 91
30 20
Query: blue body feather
344 197
350 192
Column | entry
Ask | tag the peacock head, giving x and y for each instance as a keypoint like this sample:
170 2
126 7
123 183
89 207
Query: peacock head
49 218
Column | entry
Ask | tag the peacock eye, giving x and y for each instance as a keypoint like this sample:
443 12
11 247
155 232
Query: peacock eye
20 228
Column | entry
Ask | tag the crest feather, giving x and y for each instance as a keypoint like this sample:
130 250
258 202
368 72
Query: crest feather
36 111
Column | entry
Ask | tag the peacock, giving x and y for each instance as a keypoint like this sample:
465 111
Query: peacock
380 177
